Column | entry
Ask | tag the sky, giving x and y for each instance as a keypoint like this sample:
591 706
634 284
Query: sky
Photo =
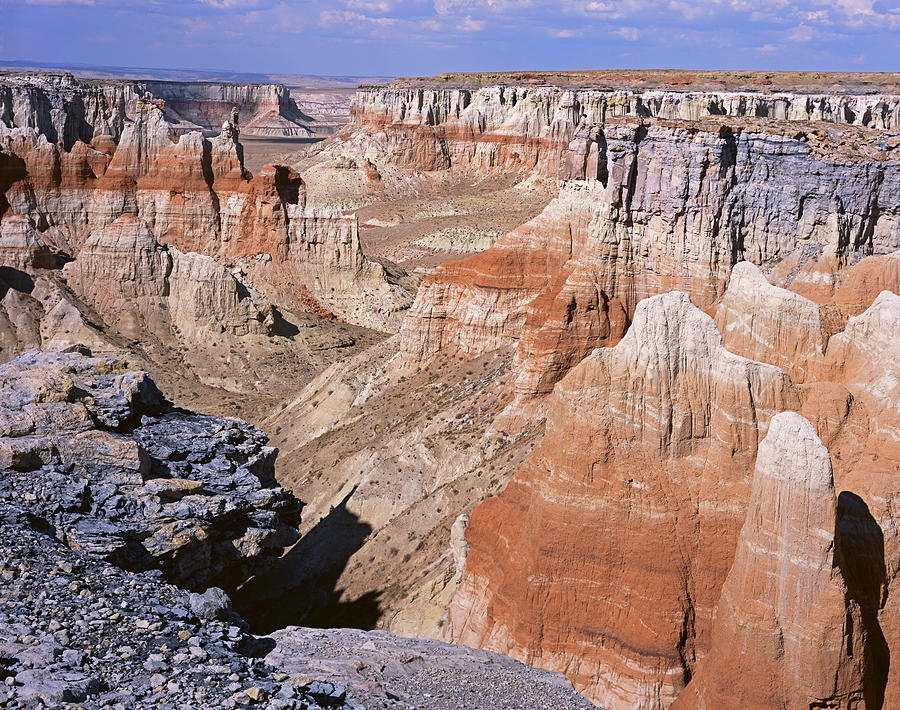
425 37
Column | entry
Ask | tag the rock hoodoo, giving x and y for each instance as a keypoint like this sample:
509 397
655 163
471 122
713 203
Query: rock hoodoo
787 633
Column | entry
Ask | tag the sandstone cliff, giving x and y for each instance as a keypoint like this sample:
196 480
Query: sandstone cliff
604 556
67 109
530 128
195 194
555 574
787 633
676 205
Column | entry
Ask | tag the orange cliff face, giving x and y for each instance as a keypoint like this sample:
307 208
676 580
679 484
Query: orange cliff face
788 633
602 556
611 554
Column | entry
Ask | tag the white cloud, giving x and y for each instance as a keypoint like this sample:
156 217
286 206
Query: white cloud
59 2
767 49
230 4
632 34
470 25
334 17
381 6
565 34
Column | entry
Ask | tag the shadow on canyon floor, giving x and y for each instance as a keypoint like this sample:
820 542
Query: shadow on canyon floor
300 589
860 555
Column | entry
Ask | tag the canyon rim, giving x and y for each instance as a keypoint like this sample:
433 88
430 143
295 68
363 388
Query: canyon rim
478 389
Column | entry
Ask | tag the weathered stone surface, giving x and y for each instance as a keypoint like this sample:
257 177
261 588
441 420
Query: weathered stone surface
92 450
77 630
66 109
678 205
380 670
770 324
195 194
501 128
786 633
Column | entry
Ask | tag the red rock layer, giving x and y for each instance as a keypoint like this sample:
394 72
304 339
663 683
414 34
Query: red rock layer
195 194
787 633
607 553
604 556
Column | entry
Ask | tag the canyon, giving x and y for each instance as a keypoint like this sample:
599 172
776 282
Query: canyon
596 370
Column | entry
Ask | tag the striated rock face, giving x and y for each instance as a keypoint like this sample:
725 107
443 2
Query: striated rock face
611 554
195 194
502 128
97 456
124 273
264 109
786 634
604 556
677 206
67 109
770 324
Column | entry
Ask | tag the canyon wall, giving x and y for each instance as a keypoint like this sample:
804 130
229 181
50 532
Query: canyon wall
529 128
195 194
611 554
66 109
672 205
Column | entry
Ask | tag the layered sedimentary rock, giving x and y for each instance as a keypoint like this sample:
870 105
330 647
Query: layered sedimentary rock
125 274
529 128
196 195
604 556
67 109
787 633
770 324
264 109
676 205
555 572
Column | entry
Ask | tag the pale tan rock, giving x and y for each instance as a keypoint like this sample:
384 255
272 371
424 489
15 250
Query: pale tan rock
770 324
21 247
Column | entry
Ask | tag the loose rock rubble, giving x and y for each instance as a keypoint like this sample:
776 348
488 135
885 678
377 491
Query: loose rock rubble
77 630
105 466
384 671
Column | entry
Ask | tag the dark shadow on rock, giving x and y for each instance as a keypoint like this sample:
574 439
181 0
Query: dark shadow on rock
16 280
283 328
300 589
860 554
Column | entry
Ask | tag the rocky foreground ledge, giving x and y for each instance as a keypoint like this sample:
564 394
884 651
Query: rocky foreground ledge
108 495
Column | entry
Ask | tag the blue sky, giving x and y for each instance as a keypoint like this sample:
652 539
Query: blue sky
421 37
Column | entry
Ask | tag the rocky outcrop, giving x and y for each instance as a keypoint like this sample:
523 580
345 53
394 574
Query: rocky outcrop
21 247
126 275
378 667
100 636
787 633
195 194
604 556
770 324
265 110
93 452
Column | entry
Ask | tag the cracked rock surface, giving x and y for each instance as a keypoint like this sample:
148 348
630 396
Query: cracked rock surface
106 466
